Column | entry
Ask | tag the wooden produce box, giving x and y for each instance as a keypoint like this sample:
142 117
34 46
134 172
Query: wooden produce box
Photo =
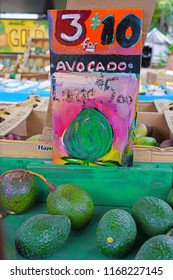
31 124
162 130
146 106
39 122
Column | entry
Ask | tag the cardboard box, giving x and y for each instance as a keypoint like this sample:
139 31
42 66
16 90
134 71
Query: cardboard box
157 105
32 125
148 106
162 130
43 149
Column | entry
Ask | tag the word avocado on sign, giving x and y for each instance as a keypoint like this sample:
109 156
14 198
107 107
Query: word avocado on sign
95 66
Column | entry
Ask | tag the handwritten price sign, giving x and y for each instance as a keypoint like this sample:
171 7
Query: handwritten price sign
99 40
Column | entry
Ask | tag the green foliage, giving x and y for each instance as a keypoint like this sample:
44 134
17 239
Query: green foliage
161 16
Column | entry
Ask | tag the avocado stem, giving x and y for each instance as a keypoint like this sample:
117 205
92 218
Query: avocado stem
5 213
49 185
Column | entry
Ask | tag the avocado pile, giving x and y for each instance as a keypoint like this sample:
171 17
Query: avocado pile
70 207
117 230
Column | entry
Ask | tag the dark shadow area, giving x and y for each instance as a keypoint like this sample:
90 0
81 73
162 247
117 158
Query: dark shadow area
31 6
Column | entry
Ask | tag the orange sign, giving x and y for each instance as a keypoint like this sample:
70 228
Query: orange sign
96 31
95 40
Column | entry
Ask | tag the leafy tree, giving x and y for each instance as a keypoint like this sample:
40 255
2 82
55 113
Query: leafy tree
162 15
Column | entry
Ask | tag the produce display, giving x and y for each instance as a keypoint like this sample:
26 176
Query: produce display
70 208
36 59
143 137
91 124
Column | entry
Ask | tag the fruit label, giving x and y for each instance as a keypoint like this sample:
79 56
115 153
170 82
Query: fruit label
163 105
12 117
95 68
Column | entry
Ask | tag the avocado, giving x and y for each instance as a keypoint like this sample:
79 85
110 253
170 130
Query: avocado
146 141
140 131
170 232
116 233
18 191
153 215
159 247
72 201
41 235
170 198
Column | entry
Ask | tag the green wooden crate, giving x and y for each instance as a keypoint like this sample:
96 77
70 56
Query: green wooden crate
109 188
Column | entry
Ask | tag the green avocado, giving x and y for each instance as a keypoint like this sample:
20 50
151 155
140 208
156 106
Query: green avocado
116 233
170 232
146 141
159 247
170 198
153 215
41 235
18 191
72 201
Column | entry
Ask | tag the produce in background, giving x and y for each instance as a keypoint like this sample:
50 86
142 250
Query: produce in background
143 135
34 138
143 130
153 215
41 235
11 136
72 201
18 190
146 141
166 143
116 233
159 247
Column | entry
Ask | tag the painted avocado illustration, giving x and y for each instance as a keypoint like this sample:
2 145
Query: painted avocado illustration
89 136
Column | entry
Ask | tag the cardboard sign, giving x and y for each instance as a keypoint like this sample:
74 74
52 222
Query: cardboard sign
95 66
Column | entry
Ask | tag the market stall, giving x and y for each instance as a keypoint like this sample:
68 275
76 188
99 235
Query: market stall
90 153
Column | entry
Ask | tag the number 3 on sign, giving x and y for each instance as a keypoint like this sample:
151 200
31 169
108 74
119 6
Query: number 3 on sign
71 29
74 23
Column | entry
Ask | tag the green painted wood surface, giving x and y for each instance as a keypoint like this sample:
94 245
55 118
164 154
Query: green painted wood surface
81 244
108 186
